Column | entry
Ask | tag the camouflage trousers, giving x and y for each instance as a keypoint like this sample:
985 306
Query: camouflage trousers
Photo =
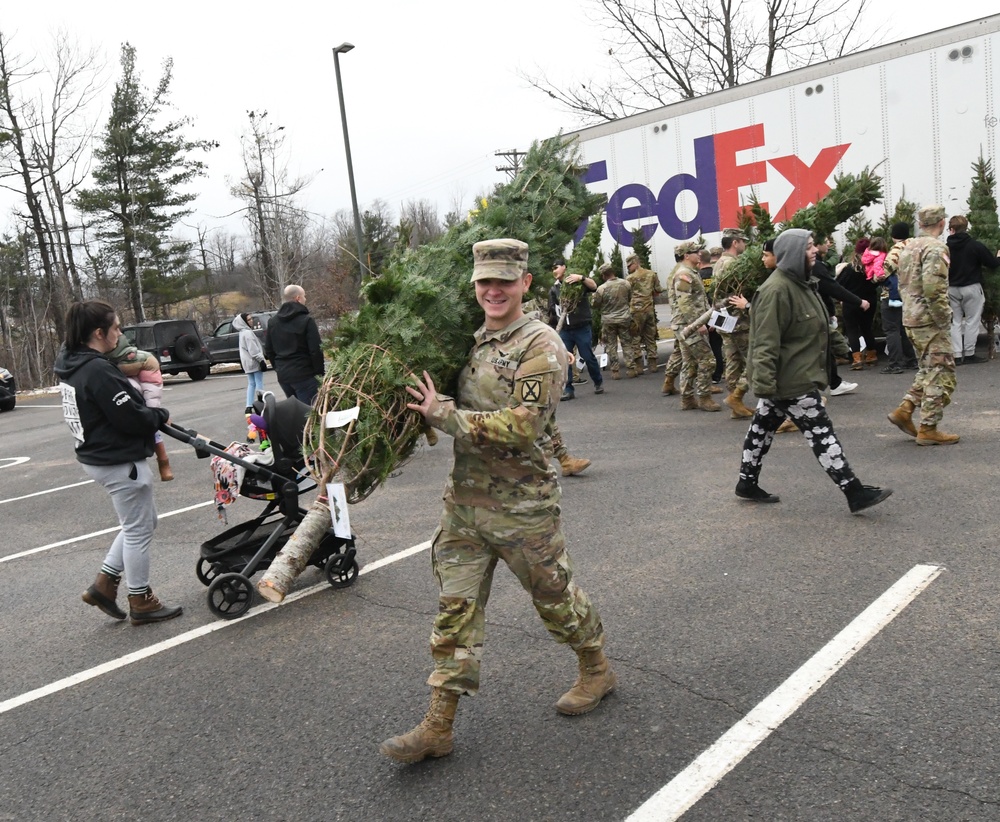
935 380
464 555
613 333
698 363
734 349
645 338
810 417
675 361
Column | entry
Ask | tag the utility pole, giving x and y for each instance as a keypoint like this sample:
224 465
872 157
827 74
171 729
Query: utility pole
514 156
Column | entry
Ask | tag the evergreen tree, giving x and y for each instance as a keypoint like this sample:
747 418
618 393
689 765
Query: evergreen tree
640 248
142 169
985 227
616 260
584 260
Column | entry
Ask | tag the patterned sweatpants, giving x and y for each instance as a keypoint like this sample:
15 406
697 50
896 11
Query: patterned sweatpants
810 417
466 548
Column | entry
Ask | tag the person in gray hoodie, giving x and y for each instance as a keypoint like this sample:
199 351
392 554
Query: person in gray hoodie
251 358
788 369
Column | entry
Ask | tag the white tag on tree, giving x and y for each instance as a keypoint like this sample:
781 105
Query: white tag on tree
861 342
722 321
604 360
580 363
338 419
337 496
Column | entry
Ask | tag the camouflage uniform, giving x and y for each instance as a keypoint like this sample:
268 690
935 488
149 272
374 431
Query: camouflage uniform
613 298
645 286
736 343
923 286
501 500
688 302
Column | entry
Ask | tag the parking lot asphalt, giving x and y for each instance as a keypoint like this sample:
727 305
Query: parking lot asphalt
711 605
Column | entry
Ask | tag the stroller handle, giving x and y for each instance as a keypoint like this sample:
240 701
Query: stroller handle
203 447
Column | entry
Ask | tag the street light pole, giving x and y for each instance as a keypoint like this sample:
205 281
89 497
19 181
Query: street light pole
343 48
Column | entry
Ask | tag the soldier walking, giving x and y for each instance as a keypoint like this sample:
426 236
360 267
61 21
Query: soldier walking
927 316
501 503
645 287
612 298
736 342
688 302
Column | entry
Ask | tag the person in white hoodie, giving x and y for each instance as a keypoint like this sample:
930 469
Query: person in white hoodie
251 358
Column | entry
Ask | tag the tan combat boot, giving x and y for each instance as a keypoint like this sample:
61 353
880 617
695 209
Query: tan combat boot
146 608
571 465
432 737
668 385
902 418
929 435
706 403
596 679
689 403
786 427
858 363
103 594
735 403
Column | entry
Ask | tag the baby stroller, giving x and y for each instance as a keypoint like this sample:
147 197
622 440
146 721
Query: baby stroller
229 560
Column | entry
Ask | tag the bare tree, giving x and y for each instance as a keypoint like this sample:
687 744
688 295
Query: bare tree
277 224
662 51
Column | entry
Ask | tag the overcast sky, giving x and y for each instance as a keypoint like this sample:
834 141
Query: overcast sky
431 89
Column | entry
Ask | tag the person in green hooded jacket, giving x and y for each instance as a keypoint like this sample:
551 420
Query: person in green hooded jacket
788 369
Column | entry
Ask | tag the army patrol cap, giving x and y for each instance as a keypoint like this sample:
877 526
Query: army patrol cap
716 250
930 215
631 258
499 259
688 247
604 269
735 233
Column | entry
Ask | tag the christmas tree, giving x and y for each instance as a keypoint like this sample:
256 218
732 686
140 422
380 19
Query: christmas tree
845 201
616 260
640 248
985 227
420 315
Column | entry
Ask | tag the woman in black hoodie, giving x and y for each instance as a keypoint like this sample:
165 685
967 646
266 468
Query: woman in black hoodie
113 429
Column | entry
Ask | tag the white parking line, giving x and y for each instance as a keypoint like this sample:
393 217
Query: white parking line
698 778
82 537
181 639
49 491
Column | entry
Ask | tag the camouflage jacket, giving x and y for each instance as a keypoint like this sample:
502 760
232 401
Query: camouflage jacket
923 283
613 298
723 288
645 286
507 394
688 300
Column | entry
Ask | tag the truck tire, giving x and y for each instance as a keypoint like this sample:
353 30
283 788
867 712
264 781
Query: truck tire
187 348
199 372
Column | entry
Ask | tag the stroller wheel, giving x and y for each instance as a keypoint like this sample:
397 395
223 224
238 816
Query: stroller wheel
205 571
341 570
230 595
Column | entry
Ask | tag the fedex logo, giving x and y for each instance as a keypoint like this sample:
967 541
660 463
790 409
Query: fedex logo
715 184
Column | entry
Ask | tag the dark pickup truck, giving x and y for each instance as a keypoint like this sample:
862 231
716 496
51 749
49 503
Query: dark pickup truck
224 343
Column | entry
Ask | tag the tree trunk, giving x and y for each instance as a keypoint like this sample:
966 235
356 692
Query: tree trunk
294 556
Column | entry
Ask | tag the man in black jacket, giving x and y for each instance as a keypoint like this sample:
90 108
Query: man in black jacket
965 288
292 345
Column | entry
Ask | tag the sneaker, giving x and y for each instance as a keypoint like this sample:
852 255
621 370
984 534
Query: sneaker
599 389
972 359
567 396
892 369
580 380
845 387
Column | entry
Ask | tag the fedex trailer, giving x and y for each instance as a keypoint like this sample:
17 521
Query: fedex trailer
922 110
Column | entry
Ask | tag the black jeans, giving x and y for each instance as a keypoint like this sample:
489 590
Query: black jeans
901 353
